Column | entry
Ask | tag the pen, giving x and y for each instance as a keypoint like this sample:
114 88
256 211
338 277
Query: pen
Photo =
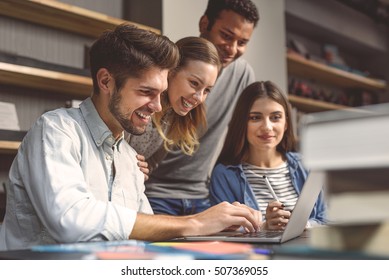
270 188
262 251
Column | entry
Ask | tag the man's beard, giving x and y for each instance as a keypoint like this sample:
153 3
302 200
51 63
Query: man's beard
123 119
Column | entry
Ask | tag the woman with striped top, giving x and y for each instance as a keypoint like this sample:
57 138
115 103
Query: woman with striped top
259 165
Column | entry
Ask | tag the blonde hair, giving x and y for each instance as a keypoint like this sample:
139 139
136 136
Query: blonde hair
184 131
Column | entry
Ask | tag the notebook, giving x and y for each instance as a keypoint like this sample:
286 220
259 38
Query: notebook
295 227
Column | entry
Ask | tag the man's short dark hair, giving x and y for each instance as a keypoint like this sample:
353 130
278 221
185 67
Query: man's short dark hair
127 51
245 8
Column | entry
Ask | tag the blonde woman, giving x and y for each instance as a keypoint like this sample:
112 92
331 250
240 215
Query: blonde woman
182 118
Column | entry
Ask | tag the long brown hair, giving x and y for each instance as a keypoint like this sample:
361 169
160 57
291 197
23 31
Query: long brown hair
184 130
236 145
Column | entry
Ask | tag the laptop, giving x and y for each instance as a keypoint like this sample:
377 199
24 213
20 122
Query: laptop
295 227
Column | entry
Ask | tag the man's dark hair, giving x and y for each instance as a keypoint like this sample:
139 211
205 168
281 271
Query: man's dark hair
128 51
245 8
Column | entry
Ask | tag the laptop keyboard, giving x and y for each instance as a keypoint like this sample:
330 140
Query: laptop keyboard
267 234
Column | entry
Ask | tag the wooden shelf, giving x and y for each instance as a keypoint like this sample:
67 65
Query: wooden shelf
55 82
63 16
300 66
9 147
311 105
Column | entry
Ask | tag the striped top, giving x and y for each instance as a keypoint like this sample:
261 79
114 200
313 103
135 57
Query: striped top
280 181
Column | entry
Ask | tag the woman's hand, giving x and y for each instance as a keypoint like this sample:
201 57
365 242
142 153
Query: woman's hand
143 166
276 216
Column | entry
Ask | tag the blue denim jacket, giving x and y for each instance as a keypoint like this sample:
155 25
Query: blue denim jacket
229 183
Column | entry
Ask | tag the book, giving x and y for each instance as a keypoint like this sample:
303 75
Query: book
357 180
354 138
133 249
101 250
358 207
73 103
8 117
96 246
12 135
308 252
207 250
368 239
41 64
350 145
357 196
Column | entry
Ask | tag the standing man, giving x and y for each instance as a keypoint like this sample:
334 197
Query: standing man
179 185
75 179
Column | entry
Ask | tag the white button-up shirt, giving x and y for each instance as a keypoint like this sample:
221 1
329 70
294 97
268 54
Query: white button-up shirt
70 182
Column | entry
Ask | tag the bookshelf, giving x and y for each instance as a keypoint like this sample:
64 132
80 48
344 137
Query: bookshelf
303 27
309 105
63 16
301 66
51 81
9 147
35 90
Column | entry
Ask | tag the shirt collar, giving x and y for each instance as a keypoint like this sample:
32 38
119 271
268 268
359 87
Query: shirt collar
98 129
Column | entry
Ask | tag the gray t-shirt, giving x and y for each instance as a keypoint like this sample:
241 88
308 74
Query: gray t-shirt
182 176
147 143
150 143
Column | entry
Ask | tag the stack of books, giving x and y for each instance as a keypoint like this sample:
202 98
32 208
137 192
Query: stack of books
351 146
